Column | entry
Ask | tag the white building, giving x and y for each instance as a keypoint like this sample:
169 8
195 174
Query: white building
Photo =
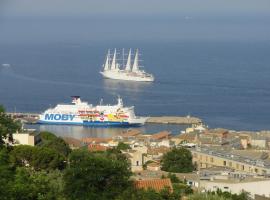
253 186
28 138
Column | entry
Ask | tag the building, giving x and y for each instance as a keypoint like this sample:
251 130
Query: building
25 138
253 186
73 143
153 166
160 136
97 147
135 158
155 184
206 157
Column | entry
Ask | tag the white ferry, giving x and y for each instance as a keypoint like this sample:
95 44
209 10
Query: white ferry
113 70
82 113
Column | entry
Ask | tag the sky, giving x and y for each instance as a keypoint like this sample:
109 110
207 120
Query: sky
131 7
102 20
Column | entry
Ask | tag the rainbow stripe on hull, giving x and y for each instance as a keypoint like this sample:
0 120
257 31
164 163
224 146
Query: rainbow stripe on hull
94 123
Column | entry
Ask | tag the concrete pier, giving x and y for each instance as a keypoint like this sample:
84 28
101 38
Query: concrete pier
174 120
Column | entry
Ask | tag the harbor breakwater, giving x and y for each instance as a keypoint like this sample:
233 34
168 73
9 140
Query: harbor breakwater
174 120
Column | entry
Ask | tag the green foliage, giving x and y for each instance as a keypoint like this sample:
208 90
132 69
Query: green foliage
28 185
51 141
174 178
95 176
2 109
135 194
178 161
150 194
47 136
181 188
146 163
242 196
206 196
123 146
38 158
57 144
7 126
6 175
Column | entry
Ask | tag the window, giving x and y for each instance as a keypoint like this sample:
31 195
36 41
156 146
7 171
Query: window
212 159
224 163
137 163
243 167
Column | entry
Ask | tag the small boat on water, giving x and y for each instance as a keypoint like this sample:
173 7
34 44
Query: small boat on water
6 65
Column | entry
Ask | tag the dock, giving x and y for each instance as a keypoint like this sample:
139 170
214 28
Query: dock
174 120
28 118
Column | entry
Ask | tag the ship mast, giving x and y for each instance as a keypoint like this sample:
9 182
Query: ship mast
128 65
107 64
135 67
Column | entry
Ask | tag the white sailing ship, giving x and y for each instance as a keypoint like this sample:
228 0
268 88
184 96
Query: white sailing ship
127 71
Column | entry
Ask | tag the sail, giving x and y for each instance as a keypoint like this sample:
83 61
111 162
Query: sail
135 67
107 64
114 65
128 65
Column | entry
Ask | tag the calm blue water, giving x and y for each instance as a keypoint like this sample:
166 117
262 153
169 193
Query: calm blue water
224 82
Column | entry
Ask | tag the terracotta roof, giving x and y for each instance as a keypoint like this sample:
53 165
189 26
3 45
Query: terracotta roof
160 135
217 132
188 136
156 184
96 147
157 150
72 141
95 140
132 132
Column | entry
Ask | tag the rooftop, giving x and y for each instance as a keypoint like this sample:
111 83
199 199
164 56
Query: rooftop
132 132
95 140
156 184
230 155
160 135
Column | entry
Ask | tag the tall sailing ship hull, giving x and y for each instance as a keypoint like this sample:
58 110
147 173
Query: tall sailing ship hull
82 113
128 72
128 76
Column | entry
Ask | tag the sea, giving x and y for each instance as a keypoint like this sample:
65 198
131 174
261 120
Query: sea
218 71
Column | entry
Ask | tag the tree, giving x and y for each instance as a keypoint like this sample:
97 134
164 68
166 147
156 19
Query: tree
8 126
174 178
6 175
47 136
51 141
36 157
177 161
95 176
123 146
134 194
